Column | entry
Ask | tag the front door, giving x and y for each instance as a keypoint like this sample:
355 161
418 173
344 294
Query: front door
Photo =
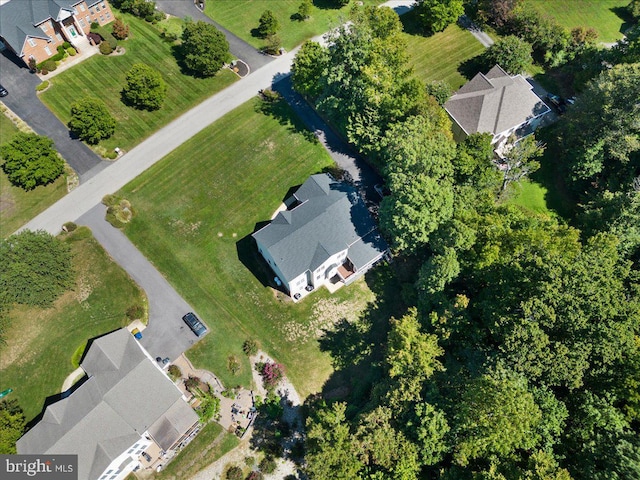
72 29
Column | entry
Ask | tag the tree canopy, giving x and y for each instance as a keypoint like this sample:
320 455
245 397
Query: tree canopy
30 160
12 425
145 88
91 120
205 48
436 15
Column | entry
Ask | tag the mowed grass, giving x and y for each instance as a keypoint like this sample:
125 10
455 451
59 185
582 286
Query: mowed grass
196 211
104 77
40 342
599 14
210 444
439 56
18 206
243 16
531 196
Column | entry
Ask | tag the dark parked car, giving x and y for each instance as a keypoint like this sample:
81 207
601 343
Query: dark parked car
194 324
558 102
3 91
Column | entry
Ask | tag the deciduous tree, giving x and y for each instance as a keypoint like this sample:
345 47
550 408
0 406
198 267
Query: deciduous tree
268 24
436 15
91 120
308 68
205 48
30 160
12 425
511 53
145 88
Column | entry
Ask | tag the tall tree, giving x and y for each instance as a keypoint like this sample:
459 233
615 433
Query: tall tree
30 160
520 159
308 69
512 53
436 15
268 24
91 120
205 48
12 425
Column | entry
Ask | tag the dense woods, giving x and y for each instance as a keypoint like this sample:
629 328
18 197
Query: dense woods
504 344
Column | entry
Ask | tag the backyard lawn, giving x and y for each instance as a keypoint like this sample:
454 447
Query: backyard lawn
243 16
209 445
599 14
531 196
41 342
18 206
104 77
438 57
196 211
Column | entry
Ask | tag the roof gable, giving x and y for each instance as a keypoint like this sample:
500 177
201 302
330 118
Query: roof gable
494 103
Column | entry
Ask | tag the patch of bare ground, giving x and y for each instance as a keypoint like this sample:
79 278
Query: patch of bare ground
7 204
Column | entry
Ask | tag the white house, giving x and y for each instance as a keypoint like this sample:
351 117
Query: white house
325 235
126 408
496 103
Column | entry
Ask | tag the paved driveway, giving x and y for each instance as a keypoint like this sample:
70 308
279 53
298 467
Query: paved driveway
166 335
363 175
24 102
239 48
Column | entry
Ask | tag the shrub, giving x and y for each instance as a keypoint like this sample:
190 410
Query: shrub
271 373
135 312
233 364
71 51
49 65
69 227
95 25
272 47
233 473
61 49
44 71
191 383
268 465
209 408
105 48
33 66
91 120
111 155
42 86
120 30
304 9
440 90
66 45
255 476
250 347
174 372
109 200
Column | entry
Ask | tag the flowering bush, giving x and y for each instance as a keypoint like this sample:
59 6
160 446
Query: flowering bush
271 373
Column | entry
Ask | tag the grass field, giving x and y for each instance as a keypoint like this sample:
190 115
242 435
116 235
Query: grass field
438 57
531 196
17 206
210 444
104 77
243 16
40 342
196 209
599 14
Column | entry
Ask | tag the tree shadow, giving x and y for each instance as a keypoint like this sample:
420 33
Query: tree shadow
623 14
326 4
255 33
278 109
411 25
471 67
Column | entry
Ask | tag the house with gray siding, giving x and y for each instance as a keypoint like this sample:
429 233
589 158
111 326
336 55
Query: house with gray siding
326 235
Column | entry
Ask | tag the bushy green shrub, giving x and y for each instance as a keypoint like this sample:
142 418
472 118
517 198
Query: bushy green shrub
135 312
66 45
71 51
105 48
268 465
233 473
95 26
69 227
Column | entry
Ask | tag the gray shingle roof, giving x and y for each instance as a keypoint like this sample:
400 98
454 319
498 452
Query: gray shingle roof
494 103
124 396
19 17
330 218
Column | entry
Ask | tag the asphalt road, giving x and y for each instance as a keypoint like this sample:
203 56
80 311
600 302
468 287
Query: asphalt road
166 335
238 47
24 102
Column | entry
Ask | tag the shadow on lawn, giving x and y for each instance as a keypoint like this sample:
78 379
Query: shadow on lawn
623 14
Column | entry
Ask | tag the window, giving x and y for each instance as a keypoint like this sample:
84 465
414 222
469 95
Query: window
82 9
108 15
47 50
92 11
82 24
59 37
44 27
97 8
101 18
104 6
75 11
88 19
32 42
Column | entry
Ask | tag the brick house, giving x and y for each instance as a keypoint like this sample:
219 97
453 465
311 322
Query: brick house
36 28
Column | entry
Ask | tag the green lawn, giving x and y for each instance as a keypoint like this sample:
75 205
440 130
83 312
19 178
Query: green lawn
243 16
196 209
209 445
531 196
598 14
17 206
438 57
104 77
40 342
